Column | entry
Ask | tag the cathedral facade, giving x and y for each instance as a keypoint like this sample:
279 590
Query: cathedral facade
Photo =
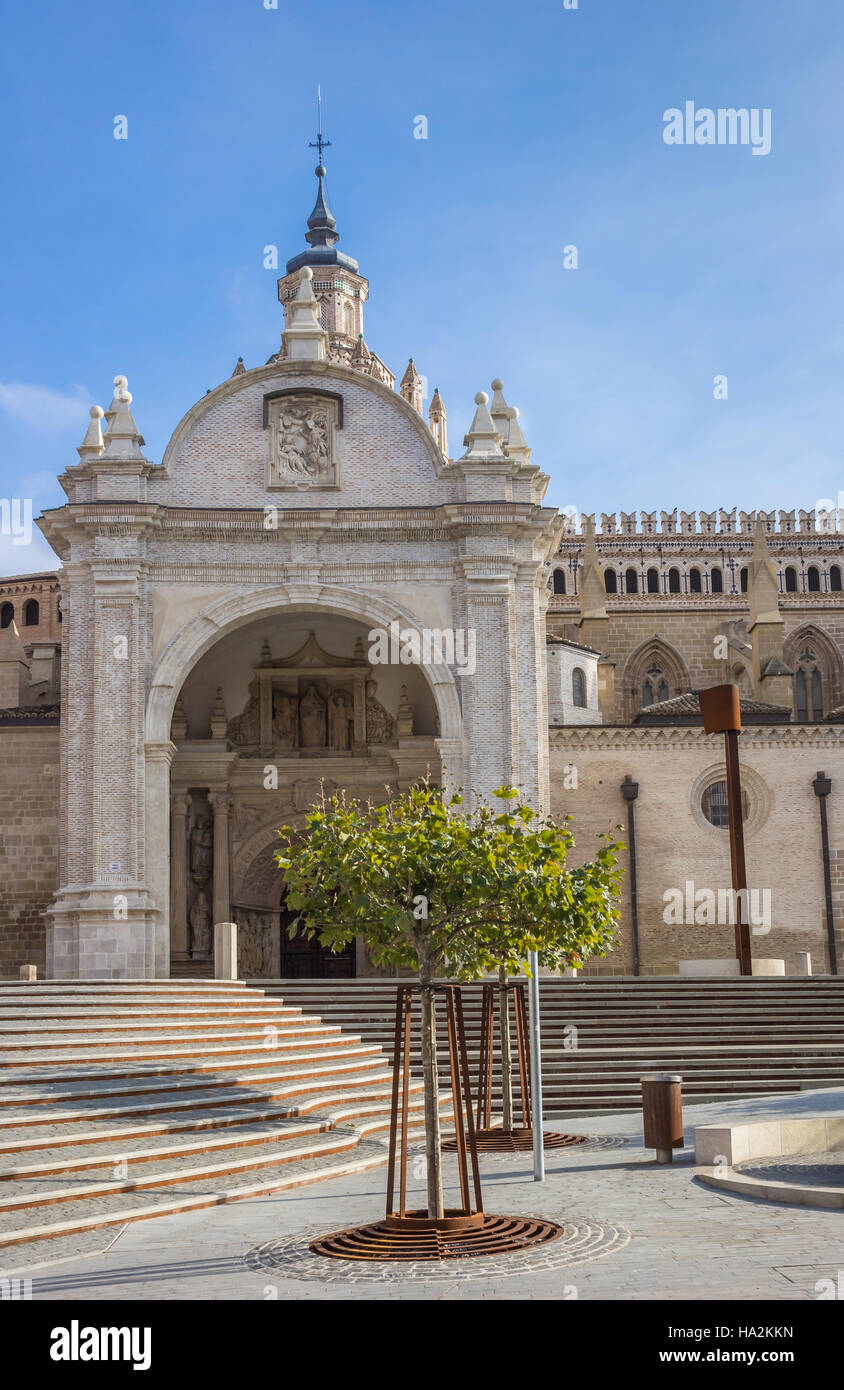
227 640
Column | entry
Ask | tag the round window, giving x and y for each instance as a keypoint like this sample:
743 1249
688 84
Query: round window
715 806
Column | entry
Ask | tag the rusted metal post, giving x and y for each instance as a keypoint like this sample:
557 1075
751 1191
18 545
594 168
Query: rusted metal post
822 787
721 713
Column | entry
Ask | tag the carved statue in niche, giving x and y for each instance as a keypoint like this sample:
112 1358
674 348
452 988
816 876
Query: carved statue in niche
246 727
284 719
380 725
341 719
200 925
302 444
201 851
312 719
255 947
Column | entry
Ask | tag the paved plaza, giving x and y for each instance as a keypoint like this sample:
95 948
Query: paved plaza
632 1231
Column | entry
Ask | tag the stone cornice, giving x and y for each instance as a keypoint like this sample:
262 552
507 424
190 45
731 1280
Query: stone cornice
602 738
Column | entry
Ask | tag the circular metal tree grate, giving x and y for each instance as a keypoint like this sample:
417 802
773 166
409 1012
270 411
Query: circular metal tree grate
418 1237
501 1141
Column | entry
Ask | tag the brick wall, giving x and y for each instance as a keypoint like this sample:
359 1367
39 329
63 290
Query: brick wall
29 804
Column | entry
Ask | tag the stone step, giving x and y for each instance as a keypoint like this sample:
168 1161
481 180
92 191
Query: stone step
234 1059
34 1133
227 1102
315 1041
291 1076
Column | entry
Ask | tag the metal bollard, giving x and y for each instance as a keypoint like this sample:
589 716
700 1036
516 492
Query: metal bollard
662 1113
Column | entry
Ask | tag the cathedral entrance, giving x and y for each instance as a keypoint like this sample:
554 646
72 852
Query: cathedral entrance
301 959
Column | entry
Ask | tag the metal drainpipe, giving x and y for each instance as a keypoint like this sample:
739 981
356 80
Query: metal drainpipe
822 787
630 791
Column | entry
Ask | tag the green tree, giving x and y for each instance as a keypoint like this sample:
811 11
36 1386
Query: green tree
437 887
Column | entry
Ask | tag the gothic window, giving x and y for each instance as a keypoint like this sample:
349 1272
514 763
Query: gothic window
631 581
835 579
653 581
673 581
559 582
717 579
743 579
654 687
791 580
808 687
715 806
611 581
578 688
7 615
31 613
814 579
695 586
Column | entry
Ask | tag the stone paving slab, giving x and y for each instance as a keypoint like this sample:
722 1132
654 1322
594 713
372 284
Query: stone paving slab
633 1230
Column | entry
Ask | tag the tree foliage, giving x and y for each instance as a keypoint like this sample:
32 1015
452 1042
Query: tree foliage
433 885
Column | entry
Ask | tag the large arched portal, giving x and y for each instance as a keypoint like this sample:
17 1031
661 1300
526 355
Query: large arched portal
274 714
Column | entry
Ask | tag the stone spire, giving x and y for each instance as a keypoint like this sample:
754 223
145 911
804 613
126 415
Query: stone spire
361 357
304 338
124 439
436 421
772 678
499 409
411 387
239 369
92 445
515 445
483 440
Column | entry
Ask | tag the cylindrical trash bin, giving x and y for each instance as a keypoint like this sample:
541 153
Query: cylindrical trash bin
662 1113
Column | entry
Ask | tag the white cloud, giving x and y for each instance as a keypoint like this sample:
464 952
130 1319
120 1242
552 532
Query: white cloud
44 409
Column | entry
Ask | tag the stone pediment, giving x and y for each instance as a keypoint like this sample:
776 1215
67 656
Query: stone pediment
312 656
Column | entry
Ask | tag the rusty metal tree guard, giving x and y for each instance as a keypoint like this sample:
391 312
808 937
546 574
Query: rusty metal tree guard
464 1231
491 1138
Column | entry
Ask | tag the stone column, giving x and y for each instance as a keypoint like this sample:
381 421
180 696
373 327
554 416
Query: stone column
158 760
221 906
179 943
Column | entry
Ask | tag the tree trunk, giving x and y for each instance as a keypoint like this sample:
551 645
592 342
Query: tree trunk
506 1058
432 1100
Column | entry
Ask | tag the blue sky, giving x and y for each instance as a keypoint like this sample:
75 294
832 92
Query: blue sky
145 256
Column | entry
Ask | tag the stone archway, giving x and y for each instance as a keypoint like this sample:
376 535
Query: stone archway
249 877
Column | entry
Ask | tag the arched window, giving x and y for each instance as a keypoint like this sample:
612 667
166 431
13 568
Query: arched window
654 686
653 581
808 687
814 579
743 579
611 581
717 580
59 609
559 582
631 581
7 615
673 581
31 613
578 688
695 585
835 579
791 580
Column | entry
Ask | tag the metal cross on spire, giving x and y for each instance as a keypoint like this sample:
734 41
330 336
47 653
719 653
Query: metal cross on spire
319 143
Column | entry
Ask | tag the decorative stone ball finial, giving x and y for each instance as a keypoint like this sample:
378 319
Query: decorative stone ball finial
121 394
481 398
96 412
498 384
513 412
307 273
121 381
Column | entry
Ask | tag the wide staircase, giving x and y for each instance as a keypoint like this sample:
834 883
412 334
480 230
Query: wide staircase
726 1038
120 1102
